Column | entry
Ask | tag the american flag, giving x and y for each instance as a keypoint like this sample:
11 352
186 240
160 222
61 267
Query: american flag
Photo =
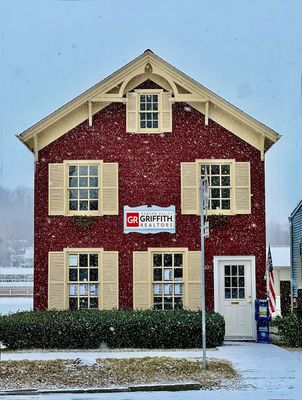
271 283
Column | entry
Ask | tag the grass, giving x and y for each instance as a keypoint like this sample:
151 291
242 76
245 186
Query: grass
115 372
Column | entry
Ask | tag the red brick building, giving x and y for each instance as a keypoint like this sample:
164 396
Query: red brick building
145 136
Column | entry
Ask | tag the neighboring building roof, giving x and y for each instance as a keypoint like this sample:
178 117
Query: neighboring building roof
280 256
113 89
299 205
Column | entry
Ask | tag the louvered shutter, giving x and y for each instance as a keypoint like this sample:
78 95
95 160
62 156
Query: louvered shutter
110 188
189 192
56 281
56 198
194 280
131 112
166 112
242 188
141 280
109 281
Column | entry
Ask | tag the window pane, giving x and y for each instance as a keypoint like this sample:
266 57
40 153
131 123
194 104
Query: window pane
93 194
93 274
177 260
155 106
215 193
83 182
225 193
83 194
157 274
83 302
157 288
73 205
83 274
149 124
241 294
225 170
157 260
226 204
83 260
214 169
73 304
143 107
234 293
73 182
168 274
178 303
143 98
73 274
227 270
225 181
168 303
227 293
143 124
83 170
73 260
241 269
93 260
94 204
234 282
178 288
227 282
93 170
168 288
149 116
168 260
93 182
155 98
83 205
241 281
155 124
73 194
94 302
94 289
215 181
178 274
158 303
215 204
73 171
234 269
83 289
73 290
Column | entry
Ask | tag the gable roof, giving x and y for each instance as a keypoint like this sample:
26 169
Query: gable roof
296 209
113 89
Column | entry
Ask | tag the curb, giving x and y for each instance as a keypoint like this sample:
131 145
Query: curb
136 388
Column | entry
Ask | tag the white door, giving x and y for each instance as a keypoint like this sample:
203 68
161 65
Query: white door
235 297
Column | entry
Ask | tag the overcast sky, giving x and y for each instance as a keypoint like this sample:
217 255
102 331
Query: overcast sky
250 53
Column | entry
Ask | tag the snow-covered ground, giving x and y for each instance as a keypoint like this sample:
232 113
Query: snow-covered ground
269 372
14 304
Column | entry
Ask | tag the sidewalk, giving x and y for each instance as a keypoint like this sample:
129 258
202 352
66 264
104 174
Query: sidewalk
269 371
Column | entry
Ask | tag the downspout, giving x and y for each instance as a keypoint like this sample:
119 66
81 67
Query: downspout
291 264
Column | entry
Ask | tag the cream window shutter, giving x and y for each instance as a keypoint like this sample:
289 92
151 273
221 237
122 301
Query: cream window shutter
166 112
189 190
110 188
242 188
57 294
56 189
109 281
193 280
141 280
131 112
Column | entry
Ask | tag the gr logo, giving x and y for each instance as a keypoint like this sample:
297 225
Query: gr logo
132 219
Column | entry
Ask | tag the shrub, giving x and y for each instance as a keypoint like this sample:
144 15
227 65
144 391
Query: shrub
290 329
86 329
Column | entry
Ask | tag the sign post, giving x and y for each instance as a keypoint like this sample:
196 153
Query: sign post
204 198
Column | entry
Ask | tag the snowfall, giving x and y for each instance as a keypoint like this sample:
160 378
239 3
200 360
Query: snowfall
268 372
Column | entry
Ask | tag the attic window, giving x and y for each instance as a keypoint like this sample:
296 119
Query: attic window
148 106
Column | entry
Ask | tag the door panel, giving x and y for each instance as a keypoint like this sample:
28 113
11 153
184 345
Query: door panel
235 298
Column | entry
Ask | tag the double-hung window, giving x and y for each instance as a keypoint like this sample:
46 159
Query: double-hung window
148 111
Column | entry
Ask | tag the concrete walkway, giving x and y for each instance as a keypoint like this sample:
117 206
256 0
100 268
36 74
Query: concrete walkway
269 372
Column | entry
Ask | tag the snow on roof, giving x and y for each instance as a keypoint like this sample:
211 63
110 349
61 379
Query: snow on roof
280 256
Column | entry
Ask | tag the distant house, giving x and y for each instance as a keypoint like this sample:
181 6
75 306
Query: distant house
143 136
295 222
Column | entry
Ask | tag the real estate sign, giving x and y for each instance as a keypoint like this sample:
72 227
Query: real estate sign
153 219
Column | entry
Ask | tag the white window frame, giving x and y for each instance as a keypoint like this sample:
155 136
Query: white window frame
146 92
69 163
230 162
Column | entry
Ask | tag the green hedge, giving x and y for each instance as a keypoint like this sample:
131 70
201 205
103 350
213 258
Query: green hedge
290 329
87 329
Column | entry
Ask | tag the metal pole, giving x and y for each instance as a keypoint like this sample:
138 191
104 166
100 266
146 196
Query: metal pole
203 303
